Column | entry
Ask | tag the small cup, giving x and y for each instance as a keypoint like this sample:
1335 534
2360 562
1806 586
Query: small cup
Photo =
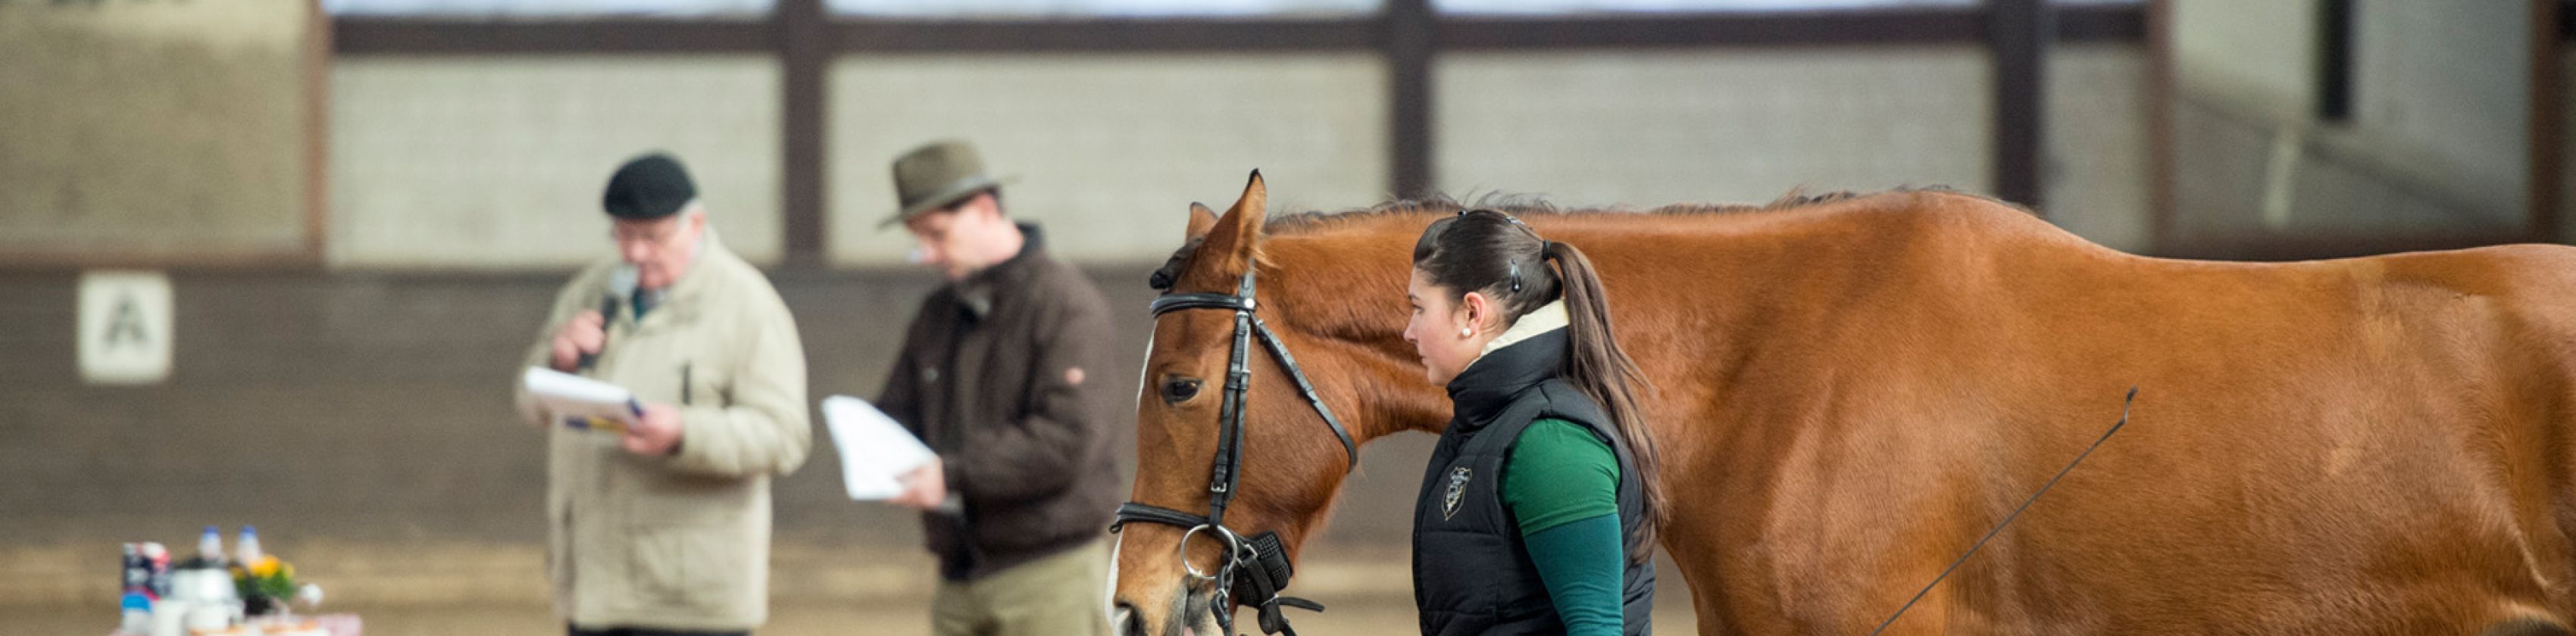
168 618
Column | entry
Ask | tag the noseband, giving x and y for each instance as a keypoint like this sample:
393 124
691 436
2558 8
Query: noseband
1253 568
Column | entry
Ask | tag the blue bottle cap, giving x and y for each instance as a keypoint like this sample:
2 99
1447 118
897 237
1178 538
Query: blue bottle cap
136 601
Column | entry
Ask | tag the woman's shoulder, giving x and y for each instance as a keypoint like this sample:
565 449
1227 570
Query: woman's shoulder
1558 442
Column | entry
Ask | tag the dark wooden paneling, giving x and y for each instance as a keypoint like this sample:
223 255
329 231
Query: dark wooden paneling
2548 139
2335 63
2018 34
367 406
804 56
1101 36
380 36
2102 23
1411 32
1821 28
2310 247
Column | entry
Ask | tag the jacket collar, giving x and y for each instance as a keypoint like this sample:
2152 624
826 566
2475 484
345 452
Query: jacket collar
692 283
1531 351
1546 318
979 289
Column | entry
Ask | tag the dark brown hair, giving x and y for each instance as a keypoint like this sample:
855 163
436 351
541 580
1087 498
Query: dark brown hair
1495 254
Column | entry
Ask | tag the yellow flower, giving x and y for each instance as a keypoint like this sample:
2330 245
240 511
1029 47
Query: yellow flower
265 567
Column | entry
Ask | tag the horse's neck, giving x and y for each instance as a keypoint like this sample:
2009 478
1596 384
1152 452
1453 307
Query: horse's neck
1687 284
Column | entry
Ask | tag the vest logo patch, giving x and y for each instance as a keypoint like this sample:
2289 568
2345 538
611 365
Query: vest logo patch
1457 488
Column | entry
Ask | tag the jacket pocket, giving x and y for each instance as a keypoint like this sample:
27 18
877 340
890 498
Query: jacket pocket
699 567
655 495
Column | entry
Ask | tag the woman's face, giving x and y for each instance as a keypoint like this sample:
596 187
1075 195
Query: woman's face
1445 328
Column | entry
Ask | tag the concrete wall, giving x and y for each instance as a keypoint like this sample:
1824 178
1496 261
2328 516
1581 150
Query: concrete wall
1109 150
154 129
367 400
2443 90
496 162
2436 141
2261 55
1648 128
375 408
2098 161
483 163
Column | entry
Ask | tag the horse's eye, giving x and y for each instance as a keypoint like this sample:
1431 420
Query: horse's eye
1180 390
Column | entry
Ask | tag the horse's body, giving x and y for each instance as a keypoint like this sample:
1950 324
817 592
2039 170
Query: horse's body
1850 392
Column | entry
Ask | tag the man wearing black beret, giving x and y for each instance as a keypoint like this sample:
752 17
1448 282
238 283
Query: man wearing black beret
663 527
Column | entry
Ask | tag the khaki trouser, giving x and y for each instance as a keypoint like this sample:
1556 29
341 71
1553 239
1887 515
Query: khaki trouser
1065 594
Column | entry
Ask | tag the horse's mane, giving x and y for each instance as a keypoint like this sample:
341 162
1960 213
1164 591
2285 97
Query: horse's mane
1527 205
1514 204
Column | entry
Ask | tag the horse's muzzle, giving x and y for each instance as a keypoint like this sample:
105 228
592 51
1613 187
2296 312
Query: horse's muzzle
1188 616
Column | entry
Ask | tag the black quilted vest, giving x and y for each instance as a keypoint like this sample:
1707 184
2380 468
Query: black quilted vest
1471 572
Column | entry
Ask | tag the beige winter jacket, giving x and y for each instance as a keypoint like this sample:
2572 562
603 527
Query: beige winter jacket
679 542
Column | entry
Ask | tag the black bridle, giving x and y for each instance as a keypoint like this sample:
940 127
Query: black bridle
1261 557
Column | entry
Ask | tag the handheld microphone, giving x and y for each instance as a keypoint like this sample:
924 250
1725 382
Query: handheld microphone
621 285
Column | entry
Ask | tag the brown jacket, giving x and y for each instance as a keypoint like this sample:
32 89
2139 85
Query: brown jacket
677 542
1002 375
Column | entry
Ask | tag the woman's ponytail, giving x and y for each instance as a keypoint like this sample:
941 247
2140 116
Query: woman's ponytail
1596 364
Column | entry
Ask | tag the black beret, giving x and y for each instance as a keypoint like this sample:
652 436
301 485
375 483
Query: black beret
648 187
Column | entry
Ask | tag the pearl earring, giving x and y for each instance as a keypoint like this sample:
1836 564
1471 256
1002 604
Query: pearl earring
1462 333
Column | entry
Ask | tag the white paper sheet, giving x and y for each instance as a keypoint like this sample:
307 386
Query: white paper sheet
567 397
875 450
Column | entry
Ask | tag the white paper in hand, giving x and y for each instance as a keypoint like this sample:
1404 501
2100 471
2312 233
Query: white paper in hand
875 450
566 396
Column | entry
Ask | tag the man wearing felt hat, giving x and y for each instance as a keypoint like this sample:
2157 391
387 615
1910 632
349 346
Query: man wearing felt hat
660 524
998 375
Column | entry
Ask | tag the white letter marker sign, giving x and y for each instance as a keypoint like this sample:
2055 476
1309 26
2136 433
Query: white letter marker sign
124 327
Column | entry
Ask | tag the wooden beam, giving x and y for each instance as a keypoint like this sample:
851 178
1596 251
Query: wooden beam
436 36
2019 32
804 58
1805 28
2280 247
1411 41
1121 35
2547 136
2100 23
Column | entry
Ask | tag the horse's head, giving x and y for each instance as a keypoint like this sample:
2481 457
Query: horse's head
1291 459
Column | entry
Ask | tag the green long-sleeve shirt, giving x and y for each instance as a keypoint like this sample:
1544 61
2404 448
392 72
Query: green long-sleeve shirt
1563 485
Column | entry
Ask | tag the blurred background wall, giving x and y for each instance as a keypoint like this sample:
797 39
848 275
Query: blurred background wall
364 205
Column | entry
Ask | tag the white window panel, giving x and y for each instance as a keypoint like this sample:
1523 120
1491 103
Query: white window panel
550 8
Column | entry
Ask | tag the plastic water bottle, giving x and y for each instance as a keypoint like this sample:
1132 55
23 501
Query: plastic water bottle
248 547
210 549
134 615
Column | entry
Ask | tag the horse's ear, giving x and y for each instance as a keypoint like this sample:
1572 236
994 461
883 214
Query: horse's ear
1236 233
1202 219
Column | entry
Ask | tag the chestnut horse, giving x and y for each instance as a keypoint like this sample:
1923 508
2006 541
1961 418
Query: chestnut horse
1851 390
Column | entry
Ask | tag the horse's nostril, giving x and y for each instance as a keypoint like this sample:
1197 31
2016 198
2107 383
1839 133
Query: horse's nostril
1125 622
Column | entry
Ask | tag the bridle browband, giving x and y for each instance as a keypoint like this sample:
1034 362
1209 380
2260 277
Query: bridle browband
1261 556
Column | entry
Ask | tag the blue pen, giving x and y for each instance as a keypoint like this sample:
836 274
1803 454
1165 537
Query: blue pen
606 424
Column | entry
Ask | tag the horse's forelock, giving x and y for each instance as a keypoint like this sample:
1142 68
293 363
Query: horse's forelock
1170 273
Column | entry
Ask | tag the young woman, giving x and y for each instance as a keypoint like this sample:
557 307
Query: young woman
1539 508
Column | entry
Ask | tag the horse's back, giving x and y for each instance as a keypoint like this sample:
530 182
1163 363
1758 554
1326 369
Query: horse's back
2364 445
